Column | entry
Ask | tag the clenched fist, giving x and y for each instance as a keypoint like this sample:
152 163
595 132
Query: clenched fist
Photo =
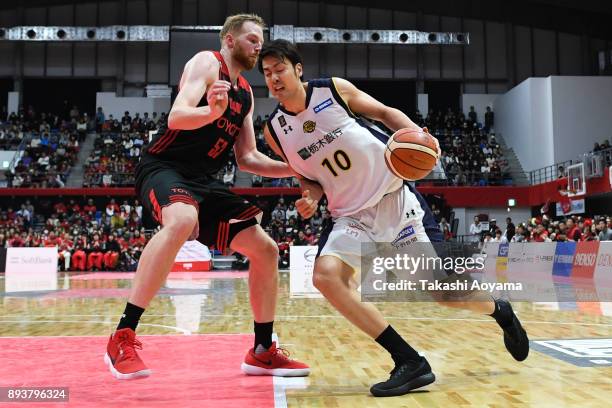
217 97
306 205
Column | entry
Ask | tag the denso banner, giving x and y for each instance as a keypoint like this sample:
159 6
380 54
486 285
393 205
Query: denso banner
585 259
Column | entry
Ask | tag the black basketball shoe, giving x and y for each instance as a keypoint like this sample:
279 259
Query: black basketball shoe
404 378
515 337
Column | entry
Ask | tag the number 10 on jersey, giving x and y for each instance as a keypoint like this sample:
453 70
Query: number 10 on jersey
341 160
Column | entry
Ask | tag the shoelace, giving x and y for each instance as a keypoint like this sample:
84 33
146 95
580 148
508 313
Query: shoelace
128 346
285 353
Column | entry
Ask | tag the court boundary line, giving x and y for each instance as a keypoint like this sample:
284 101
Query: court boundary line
308 317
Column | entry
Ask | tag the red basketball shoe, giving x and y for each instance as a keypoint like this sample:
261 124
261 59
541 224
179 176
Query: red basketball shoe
275 361
121 356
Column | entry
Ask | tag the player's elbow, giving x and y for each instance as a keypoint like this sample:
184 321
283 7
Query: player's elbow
243 162
173 120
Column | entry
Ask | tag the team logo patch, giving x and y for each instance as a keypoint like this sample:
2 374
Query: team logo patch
282 121
309 126
326 103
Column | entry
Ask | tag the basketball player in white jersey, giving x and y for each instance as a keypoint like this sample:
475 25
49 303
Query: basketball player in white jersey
316 131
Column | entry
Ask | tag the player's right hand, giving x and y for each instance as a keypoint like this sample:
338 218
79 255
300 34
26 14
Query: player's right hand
306 206
217 98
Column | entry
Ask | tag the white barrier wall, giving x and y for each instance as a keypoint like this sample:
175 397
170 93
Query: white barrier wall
581 114
549 120
423 104
523 116
116 106
13 102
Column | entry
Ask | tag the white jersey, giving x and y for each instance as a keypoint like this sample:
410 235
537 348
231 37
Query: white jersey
327 144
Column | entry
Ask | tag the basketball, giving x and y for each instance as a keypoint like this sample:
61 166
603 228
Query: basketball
411 154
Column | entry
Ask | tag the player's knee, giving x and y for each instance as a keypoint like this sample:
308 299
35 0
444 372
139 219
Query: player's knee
180 219
325 279
265 249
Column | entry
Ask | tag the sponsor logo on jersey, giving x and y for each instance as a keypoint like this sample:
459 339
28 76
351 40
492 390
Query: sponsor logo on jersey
329 138
288 129
403 234
230 128
309 126
282 121
325 104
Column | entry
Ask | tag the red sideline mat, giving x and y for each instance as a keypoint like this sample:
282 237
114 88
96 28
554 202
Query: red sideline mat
188 371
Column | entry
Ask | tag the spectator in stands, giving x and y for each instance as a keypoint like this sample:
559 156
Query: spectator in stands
111 252
436 212
573 230
444 224
472 115
489 119
278 213
476 230
291 212
499 237
604 233
510 229
561 172
540 234
493 228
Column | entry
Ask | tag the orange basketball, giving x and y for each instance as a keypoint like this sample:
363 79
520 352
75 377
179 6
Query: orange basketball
411 154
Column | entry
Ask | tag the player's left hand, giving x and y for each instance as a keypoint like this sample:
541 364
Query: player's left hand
306 206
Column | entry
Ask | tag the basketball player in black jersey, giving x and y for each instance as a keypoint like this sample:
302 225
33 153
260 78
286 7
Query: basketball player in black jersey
212 114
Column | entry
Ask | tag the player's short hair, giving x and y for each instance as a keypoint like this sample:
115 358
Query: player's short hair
235 22
281 49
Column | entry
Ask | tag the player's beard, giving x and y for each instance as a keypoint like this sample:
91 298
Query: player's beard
241 56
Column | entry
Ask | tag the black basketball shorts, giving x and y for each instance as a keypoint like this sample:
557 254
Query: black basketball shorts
221 213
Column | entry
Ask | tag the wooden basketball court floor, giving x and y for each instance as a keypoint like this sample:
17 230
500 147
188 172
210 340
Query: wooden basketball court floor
571 367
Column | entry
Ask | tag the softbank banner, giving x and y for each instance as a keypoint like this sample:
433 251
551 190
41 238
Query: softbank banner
536 272
31 269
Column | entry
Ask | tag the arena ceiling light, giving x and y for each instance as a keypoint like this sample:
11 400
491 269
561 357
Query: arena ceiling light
299 35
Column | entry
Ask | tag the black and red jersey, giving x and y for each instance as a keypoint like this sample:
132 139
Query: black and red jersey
206 149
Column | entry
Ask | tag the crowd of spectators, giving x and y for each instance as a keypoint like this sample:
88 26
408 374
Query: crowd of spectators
117 148
471 155
47 146
544 229
287 227
88 236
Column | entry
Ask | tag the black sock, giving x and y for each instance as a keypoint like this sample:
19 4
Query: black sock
398 348
263 334
503 313
131 316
